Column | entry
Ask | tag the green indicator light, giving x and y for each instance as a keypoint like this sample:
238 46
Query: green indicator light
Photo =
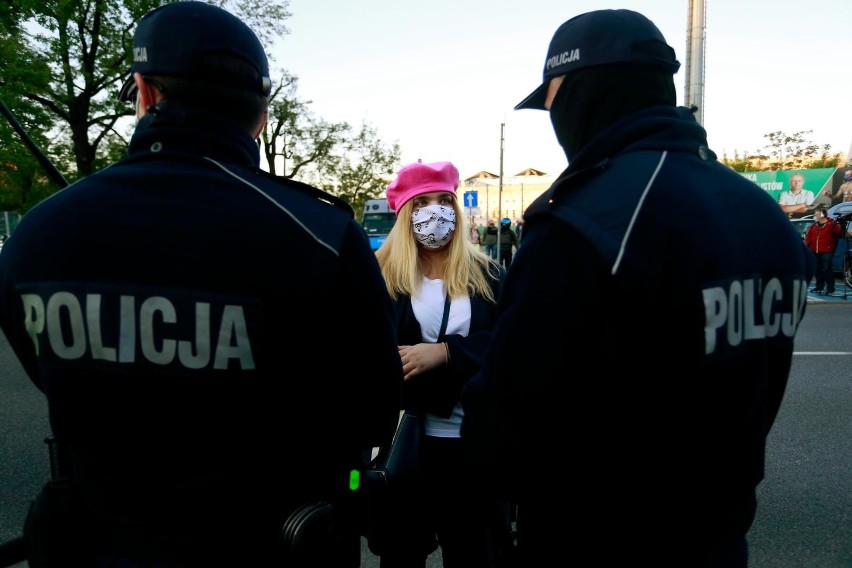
354 480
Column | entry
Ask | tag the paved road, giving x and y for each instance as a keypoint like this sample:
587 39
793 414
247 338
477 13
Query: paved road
804 517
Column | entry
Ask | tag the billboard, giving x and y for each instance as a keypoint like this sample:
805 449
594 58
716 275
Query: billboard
817 181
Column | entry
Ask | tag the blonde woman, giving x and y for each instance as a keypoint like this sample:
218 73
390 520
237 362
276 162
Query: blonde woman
426 261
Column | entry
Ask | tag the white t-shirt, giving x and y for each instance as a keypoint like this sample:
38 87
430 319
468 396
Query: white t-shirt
428 306
804 197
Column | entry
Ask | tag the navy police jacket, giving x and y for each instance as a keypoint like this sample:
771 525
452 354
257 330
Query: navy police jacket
216 344
643 344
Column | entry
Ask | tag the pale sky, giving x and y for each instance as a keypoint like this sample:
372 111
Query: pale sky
440 77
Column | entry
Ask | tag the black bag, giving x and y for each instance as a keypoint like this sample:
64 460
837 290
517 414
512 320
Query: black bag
392 479
392 484
398 463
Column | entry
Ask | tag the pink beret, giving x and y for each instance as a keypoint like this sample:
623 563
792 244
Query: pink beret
419 178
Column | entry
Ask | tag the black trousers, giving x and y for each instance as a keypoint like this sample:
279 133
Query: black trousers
506 256
824 273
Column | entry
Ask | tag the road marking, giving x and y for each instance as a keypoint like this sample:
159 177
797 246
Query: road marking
822 352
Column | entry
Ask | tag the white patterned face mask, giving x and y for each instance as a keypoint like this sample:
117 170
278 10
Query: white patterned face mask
433 225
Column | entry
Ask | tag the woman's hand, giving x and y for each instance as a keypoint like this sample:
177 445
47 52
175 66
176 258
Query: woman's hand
422 357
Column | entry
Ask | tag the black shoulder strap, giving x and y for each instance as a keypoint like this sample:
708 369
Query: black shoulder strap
445 318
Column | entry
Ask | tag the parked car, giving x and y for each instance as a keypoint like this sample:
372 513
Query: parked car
802 224
840 209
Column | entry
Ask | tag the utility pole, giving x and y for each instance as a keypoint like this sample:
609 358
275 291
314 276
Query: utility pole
500 193
696 34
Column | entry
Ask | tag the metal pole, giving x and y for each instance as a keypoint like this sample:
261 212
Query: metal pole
696 34
51 170
500 200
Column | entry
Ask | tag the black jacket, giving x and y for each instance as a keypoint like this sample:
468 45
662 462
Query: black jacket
490 235
439 390
508 238
216 344
641 351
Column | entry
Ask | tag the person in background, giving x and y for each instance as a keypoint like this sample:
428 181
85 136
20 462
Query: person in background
796 200
844 191
665 437
187 429
490 240
474 234
508 242
426 267
822 238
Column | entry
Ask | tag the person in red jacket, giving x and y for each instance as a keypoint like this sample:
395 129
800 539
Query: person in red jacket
821 238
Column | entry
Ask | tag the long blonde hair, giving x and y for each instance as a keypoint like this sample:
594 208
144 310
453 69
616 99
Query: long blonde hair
467 270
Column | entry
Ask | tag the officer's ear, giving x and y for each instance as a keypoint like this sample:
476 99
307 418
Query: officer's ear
262 124
147 94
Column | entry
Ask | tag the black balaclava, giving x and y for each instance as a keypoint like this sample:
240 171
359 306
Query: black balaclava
593 98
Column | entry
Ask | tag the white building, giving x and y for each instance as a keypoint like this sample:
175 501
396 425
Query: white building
507 198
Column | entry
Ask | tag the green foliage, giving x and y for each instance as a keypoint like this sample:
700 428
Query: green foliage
295 142
354 166
23 182
737 163
68 59
785 152
363 170
65 60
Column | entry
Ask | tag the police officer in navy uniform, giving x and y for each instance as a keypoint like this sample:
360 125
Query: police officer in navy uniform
645 330
216 344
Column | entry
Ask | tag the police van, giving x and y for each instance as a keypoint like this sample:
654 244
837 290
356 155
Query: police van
377 220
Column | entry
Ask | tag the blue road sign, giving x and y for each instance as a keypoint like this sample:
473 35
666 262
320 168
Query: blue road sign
470 199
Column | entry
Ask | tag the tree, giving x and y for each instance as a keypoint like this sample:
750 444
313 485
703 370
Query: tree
352 166
72 57
363 170
786 152
294 141
65 60
793 151
23 181
84 47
